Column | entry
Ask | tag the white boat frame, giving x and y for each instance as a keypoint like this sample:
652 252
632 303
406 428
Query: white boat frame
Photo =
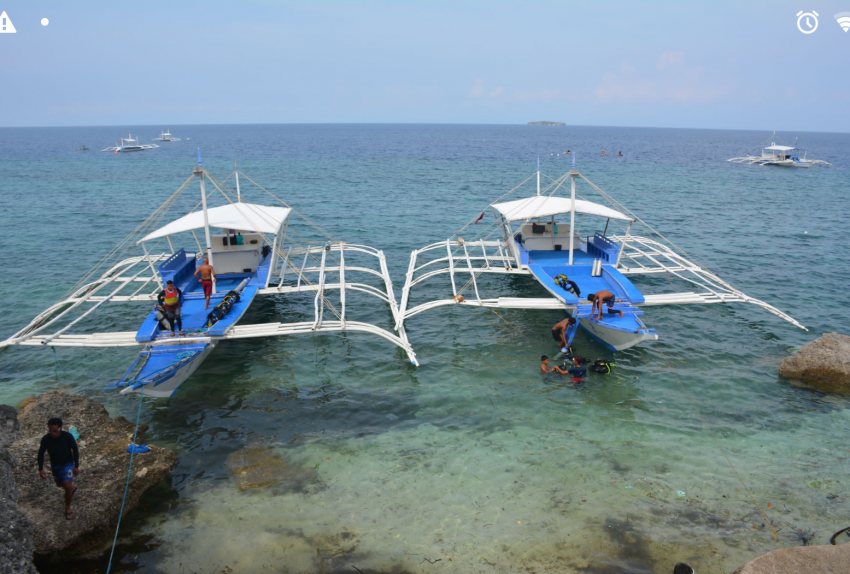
639 255
134 279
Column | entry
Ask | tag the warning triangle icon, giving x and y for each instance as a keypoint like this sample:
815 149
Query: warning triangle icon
6 26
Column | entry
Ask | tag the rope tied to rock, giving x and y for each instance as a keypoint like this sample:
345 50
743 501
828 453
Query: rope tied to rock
127 484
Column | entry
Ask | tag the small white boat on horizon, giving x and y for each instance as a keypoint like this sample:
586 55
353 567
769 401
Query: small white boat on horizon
780 156
165 136
129 144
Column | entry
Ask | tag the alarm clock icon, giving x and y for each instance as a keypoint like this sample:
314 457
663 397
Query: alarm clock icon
807 22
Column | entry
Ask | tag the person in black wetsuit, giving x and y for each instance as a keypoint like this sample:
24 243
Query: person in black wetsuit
578 370
64 460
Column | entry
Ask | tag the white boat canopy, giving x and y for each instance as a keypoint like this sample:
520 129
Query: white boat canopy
780 148
544 206
238 216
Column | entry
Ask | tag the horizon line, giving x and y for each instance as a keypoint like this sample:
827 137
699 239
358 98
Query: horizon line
425 124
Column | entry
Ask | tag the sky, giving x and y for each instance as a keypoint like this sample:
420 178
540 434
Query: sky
735 65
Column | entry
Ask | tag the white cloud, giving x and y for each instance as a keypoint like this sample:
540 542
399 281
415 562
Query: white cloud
478 88
672 81
670 60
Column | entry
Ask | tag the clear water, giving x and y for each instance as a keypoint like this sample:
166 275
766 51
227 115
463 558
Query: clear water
471 459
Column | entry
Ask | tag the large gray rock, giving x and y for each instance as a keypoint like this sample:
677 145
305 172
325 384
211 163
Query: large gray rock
824 363
16 531
103 471
814 559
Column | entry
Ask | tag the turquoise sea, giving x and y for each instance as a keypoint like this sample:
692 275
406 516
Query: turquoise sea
471 462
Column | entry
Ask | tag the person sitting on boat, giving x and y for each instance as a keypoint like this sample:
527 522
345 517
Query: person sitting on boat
546 369
207 276
598 299
559 333
171 299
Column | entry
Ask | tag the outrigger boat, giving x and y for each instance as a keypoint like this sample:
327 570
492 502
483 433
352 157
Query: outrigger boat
529 236
780 156
166 137
256 250
129 144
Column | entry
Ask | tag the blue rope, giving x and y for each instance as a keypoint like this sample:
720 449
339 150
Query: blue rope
127 485
56 365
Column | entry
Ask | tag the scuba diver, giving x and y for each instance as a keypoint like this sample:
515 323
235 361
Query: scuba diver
171 299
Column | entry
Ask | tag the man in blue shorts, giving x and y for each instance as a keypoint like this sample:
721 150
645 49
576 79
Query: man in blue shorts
64 460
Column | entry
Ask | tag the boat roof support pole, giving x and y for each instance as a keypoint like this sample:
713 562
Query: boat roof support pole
573 174
623 246
150 263
273 261
604 231
170 245
238 194
451 267
471 273
199 171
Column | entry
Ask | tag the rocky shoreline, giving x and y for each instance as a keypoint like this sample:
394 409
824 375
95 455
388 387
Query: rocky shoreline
823 363
103 472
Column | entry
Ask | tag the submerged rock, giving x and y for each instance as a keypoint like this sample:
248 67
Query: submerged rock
820 559
824 363
256 465
16 531
103 472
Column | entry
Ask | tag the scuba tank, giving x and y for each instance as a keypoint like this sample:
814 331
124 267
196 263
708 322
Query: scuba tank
159 313
567 285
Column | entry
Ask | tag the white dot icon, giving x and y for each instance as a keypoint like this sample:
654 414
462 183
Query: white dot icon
45 21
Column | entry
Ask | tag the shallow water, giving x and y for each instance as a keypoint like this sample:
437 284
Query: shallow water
471 459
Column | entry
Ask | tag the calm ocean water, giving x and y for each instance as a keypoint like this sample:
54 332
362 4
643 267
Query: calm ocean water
471 459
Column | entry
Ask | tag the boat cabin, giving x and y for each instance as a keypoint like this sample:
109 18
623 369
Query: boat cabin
541 224
779 153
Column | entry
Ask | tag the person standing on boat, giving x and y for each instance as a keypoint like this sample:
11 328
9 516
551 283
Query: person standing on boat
559 333
598 299
207 276
64 460
171 299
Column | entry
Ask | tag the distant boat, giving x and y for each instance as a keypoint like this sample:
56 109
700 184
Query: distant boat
779 155
84 148
129 144
166 137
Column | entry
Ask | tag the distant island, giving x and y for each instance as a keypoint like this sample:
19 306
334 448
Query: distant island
546 123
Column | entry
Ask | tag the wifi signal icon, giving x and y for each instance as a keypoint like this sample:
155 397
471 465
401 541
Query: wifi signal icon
843 19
